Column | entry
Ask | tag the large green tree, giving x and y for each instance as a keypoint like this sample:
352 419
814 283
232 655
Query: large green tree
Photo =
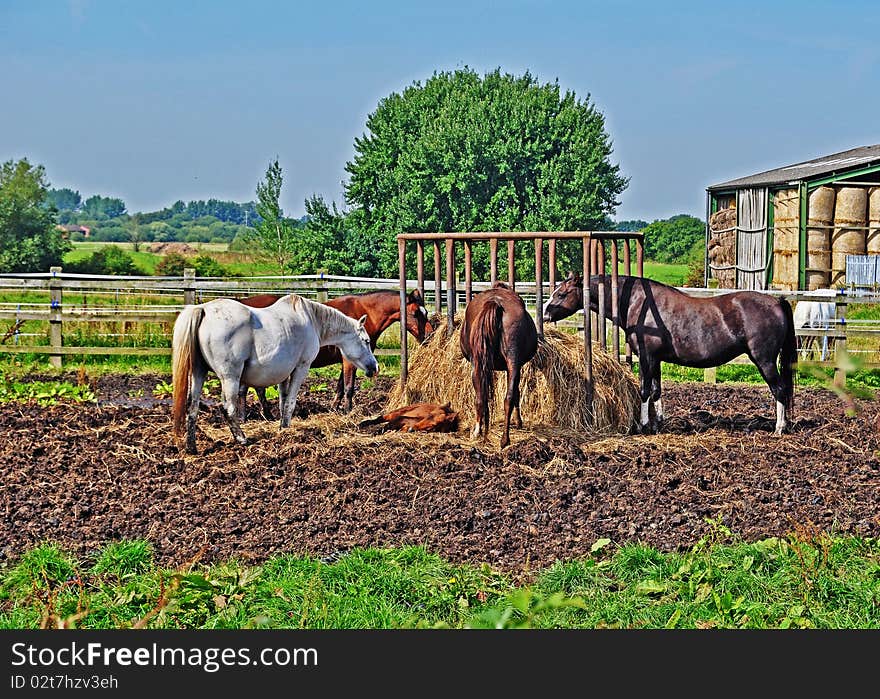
465 152
29 238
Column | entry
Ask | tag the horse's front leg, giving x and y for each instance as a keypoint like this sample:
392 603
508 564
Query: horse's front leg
648 370
350 372
657 400
340 390
291 389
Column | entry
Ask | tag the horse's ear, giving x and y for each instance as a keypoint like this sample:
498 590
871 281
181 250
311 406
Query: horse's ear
570 276
363 320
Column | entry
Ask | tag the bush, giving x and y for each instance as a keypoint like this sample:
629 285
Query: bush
173 264
207 266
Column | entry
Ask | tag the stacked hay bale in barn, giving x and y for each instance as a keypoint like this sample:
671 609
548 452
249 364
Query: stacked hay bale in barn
872 244
552 385
849 236
722 246
820 216
786 224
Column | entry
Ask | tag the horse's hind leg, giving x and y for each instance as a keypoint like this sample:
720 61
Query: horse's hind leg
265 408
768 370
242 402
230 388
479 403
197 380
511 400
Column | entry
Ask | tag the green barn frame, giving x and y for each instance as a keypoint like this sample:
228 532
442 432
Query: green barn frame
855 167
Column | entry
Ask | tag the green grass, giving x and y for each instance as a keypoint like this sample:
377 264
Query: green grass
145 261
238 264
807 580
672 274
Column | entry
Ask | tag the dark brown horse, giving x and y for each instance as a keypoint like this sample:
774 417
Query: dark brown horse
497 334
382 308
663 324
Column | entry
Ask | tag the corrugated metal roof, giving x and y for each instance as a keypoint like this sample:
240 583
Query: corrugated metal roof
853 159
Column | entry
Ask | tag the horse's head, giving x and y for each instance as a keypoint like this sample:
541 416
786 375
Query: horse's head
567 298
417 316
356 348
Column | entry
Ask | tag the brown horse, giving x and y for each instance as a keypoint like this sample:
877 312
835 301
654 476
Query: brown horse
663 324
497 334
382 308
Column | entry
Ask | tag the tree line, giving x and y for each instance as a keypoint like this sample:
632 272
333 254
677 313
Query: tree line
461 152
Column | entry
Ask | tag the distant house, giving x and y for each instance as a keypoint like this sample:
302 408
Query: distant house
69 228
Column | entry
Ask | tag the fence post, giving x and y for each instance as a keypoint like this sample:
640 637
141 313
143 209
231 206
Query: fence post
321 295
840 344
189 286
55 324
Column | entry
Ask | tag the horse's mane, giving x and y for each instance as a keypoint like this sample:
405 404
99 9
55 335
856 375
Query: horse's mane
329 319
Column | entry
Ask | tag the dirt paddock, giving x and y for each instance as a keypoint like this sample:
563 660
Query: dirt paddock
85 474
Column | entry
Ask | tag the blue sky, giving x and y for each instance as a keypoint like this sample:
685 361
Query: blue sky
164 100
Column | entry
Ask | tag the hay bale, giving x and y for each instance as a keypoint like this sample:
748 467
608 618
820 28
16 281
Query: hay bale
722 246
786 221
820 216
552 384
849 236
872 244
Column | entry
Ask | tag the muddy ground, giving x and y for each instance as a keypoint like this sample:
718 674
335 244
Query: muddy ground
86 474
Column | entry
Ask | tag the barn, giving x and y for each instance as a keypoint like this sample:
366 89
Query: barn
794 227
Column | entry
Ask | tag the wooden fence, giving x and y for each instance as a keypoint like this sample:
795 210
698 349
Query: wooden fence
58 300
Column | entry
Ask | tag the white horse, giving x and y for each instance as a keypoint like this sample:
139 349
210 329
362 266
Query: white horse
256 347
816 315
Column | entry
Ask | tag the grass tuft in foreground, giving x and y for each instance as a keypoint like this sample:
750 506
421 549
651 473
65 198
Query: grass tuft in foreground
810 579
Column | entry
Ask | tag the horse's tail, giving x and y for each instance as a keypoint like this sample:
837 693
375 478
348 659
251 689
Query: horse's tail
488 329
788 355
184 353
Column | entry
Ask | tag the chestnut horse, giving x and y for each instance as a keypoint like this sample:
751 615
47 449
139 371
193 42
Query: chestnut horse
497 334
382 308
663 324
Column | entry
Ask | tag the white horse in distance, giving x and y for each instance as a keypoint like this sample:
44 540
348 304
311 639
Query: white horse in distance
816 315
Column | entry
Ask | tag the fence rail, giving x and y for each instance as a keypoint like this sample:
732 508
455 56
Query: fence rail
136 301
